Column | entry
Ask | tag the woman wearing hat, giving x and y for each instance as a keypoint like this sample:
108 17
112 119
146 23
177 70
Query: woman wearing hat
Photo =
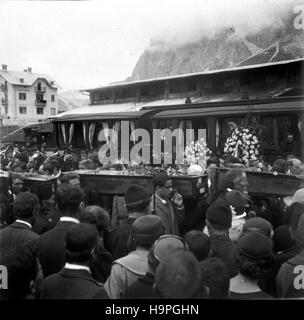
255 258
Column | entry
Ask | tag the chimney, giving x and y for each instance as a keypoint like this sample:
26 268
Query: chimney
4 67
29 69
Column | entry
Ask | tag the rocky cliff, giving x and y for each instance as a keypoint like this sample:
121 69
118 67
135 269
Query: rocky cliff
226 49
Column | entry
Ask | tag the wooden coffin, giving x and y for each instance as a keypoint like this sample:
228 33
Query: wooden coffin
263 183
111 184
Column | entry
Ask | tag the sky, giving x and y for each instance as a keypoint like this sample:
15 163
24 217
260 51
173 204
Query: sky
85 44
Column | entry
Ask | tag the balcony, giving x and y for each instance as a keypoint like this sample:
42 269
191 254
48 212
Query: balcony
3 87
40 89
40 103
4 102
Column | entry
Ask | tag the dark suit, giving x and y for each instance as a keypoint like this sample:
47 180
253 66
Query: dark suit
72 284
50 248
17 234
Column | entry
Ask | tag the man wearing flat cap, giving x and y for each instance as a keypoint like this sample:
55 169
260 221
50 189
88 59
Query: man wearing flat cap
125 271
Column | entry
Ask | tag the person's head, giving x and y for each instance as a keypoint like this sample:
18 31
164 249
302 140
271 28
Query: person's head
215 277
237 201
199 244
163 185
19 166
280 166
86 164
255 255
236 178
137 200
51 166
289 137
282 240
71 178
23 157
98 217
146 230
69 200
162 247
298 197
80 241
219 216
257 224
25 206
22 270
178 276
17 184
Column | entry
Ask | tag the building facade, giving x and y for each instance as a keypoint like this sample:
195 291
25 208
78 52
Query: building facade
26 97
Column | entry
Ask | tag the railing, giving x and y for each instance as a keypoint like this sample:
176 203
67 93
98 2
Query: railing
41 103
40 89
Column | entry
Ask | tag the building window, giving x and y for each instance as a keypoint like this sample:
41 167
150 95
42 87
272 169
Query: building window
21 80
52 97
22 110
22 96
53 111
39 110
6 110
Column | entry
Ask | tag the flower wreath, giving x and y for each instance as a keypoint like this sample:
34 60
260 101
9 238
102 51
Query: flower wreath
244 144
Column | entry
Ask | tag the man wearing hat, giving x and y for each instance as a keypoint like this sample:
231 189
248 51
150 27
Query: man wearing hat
137 201
125 271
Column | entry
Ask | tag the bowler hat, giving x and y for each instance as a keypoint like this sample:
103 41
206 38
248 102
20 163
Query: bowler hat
136 195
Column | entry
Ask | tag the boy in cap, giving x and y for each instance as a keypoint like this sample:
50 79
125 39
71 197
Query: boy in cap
137 201
126 270
143 287
219 220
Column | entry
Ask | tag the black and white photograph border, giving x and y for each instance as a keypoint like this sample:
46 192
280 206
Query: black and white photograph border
152 150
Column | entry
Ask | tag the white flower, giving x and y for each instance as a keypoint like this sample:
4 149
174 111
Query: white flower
251 152
248 143
256 152
252 147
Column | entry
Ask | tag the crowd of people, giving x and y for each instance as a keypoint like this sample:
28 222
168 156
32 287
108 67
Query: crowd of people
69 243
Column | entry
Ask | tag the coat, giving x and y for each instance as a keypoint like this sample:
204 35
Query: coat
142 288
119 241
223 248
50 248
171 216
72 284
125 272
17 234
285 280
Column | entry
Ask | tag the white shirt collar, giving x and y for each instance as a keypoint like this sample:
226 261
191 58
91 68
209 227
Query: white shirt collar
24 222
73 266
69 219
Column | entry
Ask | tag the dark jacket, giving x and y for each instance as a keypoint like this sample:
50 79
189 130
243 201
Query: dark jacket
223 248
101 264
72 284
42 223
119 241
142 288
285 280
50 248
17 234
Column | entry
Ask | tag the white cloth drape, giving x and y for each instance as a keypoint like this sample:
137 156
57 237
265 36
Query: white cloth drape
63 132
84 133
71 132
91 133
132 127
